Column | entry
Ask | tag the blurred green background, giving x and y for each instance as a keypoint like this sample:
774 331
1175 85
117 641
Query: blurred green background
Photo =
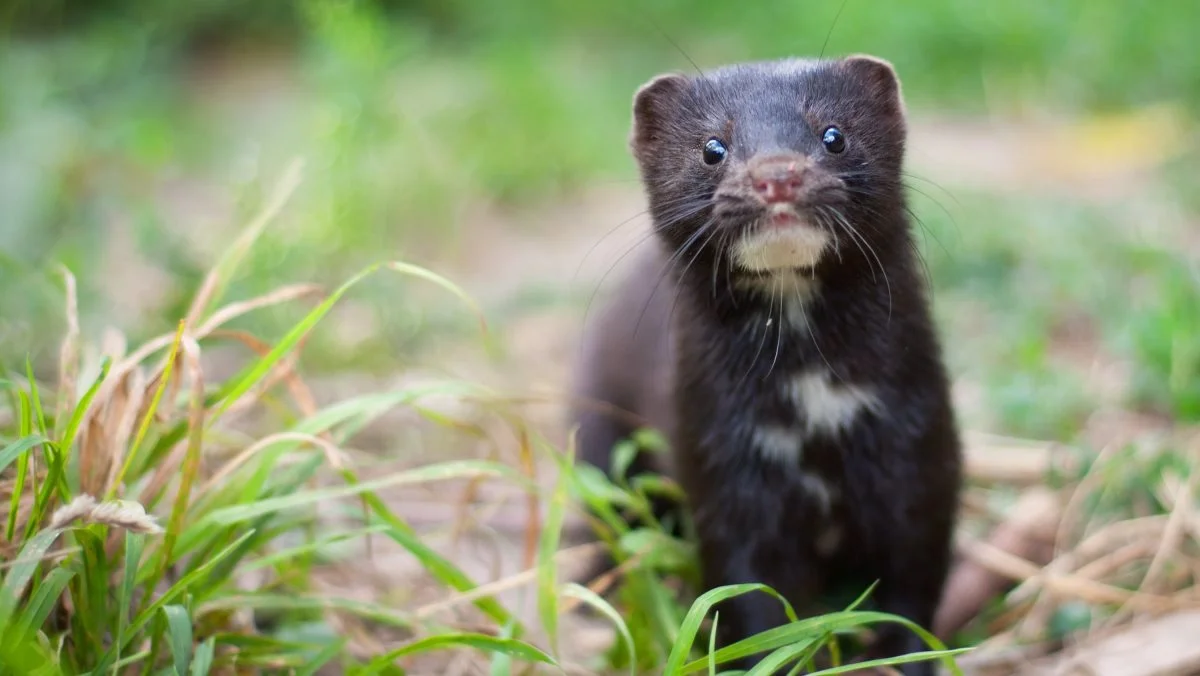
136 137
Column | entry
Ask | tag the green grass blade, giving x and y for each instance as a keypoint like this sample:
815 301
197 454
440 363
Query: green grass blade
36 399
201 536
202 661
89 591
800 650
448 470
862 598
179 636
218 278
806 630
223 571
68 437
242 383
55 478
264 601
283 555
805 659
14 504
924 656
780 657
547 575
40 604
594 600
187 476
430 276
182 585
699 610
367 407
322 657
28 657
134 544
435 564
370 406
483 642
21 571
127 661
11 452
274 655
712 644
144 426
778 637
501 663
25 429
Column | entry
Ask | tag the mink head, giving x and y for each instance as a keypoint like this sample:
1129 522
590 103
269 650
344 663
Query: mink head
773 166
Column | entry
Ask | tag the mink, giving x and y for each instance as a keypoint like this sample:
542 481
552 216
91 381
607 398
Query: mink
777 330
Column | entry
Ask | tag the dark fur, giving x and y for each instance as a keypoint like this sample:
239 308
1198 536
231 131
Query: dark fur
697 357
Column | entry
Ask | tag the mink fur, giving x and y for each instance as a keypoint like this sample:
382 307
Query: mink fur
806 406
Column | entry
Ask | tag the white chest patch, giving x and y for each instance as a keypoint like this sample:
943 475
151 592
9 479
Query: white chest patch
781 248
782 444
829 406
786 295
795 313
822 493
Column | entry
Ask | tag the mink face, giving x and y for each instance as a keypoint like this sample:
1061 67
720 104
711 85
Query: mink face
762 168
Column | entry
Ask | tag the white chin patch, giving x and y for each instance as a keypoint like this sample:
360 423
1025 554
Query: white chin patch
773 247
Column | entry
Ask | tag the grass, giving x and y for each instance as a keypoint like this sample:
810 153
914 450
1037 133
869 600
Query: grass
141 500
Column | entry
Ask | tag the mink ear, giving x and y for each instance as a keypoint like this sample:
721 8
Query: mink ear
880 78
652 107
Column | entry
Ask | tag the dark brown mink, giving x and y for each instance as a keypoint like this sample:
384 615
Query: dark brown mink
776 328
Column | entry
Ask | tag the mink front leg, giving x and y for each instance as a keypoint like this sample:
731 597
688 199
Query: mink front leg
895 640
911 587
744 615
727 559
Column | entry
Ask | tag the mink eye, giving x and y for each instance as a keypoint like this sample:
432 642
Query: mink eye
833 139
714 151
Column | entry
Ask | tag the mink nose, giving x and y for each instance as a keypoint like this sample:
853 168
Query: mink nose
777 181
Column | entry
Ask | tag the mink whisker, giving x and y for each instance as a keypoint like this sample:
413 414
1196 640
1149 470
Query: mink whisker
669 264
882 269
698 208
776 290
825 223
700 249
